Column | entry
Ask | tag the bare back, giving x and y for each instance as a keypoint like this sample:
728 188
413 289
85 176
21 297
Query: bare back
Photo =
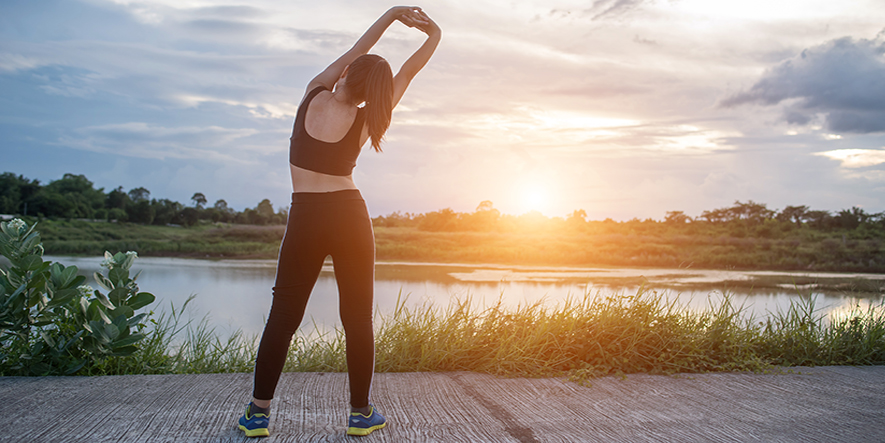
327 120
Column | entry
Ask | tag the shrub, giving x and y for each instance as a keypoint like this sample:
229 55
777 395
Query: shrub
53 324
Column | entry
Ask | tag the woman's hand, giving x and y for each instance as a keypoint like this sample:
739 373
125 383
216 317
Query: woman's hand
411 16
426 24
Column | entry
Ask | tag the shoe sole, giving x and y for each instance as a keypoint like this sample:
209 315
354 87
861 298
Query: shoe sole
365 431
260 432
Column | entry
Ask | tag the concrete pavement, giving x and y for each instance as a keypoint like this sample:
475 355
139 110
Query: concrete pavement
823 404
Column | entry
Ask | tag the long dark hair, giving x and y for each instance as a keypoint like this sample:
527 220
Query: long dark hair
370 80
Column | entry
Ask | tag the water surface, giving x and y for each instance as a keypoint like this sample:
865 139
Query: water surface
236 294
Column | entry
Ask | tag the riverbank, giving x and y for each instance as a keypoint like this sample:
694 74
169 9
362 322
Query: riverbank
821 404
799 250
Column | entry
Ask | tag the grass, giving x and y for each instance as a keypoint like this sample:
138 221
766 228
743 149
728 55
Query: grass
583 338
627 245
177 346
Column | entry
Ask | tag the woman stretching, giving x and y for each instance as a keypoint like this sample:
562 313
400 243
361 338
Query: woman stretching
344 106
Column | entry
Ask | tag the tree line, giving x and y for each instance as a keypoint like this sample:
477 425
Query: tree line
75 197
743 219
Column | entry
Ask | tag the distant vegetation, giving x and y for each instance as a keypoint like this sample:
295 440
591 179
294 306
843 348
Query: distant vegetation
74 197
743 236
748 219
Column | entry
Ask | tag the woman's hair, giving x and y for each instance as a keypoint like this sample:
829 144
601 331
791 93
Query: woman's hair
370 80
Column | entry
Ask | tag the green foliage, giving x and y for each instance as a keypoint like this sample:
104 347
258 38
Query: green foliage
52 324
175 345
603 335
74 197
585 337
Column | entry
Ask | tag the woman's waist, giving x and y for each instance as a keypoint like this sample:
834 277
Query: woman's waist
340 196
306 181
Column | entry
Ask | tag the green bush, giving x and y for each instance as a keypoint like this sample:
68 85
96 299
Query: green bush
53 324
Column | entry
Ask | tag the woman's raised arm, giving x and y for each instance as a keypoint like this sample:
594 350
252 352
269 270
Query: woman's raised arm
416 62
409 15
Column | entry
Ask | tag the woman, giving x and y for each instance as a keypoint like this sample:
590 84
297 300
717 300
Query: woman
329 217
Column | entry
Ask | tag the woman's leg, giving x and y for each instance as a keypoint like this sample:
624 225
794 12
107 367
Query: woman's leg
301 258
353 256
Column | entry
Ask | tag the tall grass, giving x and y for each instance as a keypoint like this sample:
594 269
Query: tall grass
176 344
582 338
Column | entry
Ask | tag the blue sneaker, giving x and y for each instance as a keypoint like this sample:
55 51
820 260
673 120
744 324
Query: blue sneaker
359 424
256 425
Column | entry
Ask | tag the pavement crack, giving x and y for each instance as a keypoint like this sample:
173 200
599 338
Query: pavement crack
523 434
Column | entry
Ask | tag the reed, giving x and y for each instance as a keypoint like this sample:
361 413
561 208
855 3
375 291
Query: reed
584 337
597 335
176 344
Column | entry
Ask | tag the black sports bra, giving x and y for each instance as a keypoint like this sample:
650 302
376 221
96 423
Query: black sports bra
337 158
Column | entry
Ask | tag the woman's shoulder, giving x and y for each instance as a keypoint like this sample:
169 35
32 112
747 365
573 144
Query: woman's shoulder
312 91
317 88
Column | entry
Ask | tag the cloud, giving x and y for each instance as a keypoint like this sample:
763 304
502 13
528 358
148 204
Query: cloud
602 9
609 105
841 82
856 158
612 8
15 62
143 140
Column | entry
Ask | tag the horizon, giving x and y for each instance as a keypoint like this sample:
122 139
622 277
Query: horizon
482 206
626 110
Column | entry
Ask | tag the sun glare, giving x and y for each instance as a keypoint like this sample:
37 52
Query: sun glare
532 197
574 120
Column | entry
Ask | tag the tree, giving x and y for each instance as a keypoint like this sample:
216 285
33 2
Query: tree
221 206
141 212
118 215
199 200
577 219
851 219
52 204
16 192
189 216
139 194
793 214
818 219
220 212
676 218
484 219
117 199
166 211
750 211
442 220
71 196
265 208
716 215
485 205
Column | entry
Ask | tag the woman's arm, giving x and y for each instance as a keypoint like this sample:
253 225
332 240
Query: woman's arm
409 15
417 61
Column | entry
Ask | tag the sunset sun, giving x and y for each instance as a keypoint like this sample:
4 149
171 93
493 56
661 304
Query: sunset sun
534 198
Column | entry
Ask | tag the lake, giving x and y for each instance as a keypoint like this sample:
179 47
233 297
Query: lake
236 294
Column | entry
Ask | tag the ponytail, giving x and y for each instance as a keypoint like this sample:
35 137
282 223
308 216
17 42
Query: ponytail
370 80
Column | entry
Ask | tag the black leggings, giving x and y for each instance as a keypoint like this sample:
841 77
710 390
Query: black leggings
321 224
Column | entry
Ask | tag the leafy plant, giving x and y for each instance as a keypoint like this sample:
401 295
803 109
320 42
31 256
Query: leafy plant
50 322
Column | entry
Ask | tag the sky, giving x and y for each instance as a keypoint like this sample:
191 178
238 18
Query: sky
623 108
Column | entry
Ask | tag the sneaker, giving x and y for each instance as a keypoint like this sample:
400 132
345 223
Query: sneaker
359 424
256 425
